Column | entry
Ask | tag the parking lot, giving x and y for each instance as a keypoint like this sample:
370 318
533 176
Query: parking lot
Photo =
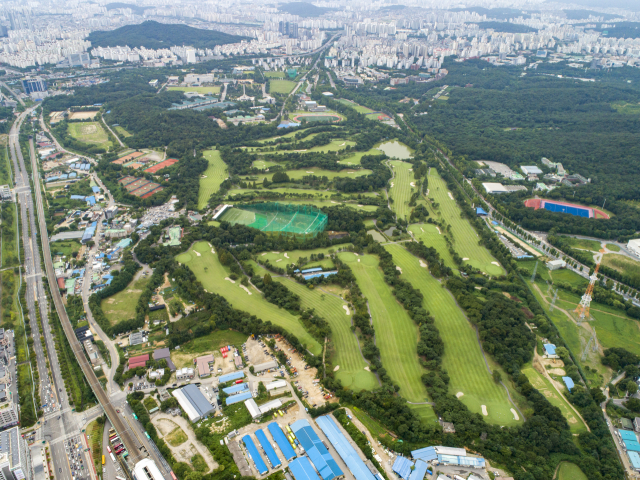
76 458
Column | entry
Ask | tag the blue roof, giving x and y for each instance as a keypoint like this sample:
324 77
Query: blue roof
309 270
481 211
95 189
402 466
568 382
231 376
254 455
550 348
634 458
73 175
91 200
632 446
321 274
241 397
284 445
427 454
344 448
268 449
124 243
627 435
493 222
302 470
77 197
289 124
463 461
236 388
319 455
420 471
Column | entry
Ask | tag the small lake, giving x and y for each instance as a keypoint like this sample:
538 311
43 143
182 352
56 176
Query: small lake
396 149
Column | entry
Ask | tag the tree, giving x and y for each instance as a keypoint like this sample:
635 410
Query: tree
267 279
496 376
632 387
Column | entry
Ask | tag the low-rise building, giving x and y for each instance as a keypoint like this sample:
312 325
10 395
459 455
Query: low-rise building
184 373
556 264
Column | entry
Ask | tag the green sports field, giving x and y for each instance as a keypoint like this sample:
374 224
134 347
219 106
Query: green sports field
543 385
464 236
463 358
89 132
402 189
396 334
346 353
210 272
281 86
357 157
215 174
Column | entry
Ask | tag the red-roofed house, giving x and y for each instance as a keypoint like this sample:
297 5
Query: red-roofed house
139 361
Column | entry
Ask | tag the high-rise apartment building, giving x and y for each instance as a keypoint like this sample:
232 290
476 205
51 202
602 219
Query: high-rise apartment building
288 28
31 85
15 461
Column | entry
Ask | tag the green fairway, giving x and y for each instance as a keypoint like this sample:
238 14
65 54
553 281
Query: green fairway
346 352
333 146
570 471
214 175
122 305
463 358
212 274
425 413
89 132
465 239
318 172
356 157
396 334
432 237
401 188
203 90
543 385
281 86
279 260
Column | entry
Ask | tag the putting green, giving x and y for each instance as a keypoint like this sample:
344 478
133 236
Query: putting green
210 272
462 358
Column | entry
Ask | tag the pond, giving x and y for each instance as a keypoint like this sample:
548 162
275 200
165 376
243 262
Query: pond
396 149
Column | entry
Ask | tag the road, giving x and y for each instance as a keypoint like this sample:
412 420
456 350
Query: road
112 132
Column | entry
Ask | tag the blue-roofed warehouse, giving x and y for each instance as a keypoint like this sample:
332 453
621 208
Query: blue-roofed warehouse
481 211
402 466
627 435
427 454
420 471
568 381
319 455
348 454
232 390
302 469
632 445
284 445
231 376
474 462
268 449
320 274
254 455
634 458
241 397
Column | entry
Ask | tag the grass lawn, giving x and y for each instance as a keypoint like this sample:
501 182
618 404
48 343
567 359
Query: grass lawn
122 132
176 437
215 174
623 264
281 86
89 132
65 247
263 164
275 74
463 357
583 244
429 234
543 385
213 341
318 172
346 352
613 247
356 157
396 334
122 305
570 471
212 274
279 260
333 146
401 189
203 90
464 236
358 108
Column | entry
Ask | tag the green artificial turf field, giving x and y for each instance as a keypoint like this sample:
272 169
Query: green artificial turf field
210 272
215 174
396 334
346 352
401 188
89 132
464 236
281 86
122 305
543 385
463 358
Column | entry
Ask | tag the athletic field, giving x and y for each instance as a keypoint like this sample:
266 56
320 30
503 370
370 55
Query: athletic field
89 132
281 86
210 272
214 175
463 358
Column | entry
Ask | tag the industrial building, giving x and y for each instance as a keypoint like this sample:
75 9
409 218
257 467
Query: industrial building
268 449
283 444
254 455
15 461
147 469
265 366
301 469
530 170
241 397
138 361
276 387
164 354
135 338
193 402
342 445
318 453
556 264
235 389
402 467
203 365
230 376
184 373
634 246
446 456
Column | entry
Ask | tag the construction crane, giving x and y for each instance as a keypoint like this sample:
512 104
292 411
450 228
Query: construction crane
585 302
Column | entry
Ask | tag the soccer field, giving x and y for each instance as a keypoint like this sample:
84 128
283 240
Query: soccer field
214 175
465 238
281 86
210 272
89 132
401 189
463 358
396 333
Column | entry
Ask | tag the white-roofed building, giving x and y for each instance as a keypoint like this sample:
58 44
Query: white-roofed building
253 408
270 406
634 246
494 188
459 452
276 386
147 469
265 366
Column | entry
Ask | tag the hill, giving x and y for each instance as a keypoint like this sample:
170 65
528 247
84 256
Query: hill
304 9
159 35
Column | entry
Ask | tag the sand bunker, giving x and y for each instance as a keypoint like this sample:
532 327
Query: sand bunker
391 184
309 171
557 371
343 144
278 260
337 367
213 251
367 369
484 410
197 253
496 264
227 278
439 232
346 309
450 196
465 259
459 394
264 254
333 201
210 245
205 290
515 414
245 289
413 184
358 260
421 230
399 269
203 176
277 253
410 170
422 264
286 255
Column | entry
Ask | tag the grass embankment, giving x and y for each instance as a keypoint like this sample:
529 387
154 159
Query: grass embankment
623 264
396 334
94 433
122 305
463 358
465 239
212 274
204 90
214 175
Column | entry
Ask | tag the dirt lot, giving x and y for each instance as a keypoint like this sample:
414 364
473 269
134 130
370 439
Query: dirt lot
255 353
181 359
82 115
305 378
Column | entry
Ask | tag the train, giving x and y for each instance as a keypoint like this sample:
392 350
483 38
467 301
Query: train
173 475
